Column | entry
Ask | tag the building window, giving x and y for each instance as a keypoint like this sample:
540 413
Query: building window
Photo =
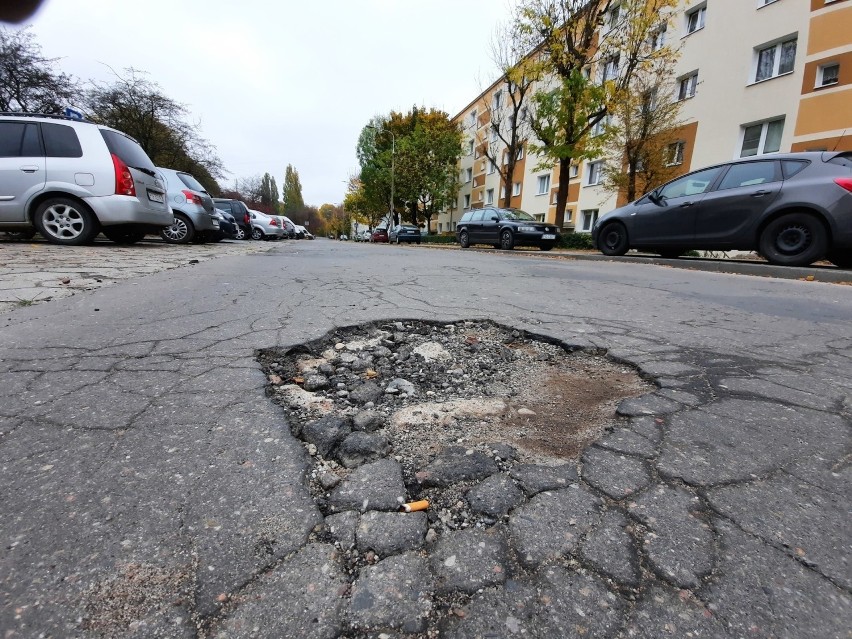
543 184
687 85
674 153
568 215
610 69
467 201
497 100
828 74
489 196
588 217
471 118
695 19
600 126
763 137
614 17
594 173
574 171
468 175
470 147
777 59
516 189
554 198
491 167
519 154
657 38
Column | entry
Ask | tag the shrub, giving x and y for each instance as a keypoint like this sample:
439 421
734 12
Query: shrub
577 241
439 239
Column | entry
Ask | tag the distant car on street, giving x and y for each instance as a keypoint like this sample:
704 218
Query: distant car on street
404 233
379 235
192 207
792 208
240 212
265 227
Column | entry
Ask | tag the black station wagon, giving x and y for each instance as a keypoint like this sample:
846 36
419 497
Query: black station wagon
505 229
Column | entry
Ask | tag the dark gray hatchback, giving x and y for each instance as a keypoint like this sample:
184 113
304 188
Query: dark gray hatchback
792 208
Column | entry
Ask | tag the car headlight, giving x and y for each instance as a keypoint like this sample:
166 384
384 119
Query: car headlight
527 229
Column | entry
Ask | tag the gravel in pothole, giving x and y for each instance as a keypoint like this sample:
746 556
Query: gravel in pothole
471 416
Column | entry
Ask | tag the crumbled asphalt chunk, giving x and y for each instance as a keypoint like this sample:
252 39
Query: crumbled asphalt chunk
550 525
627 441
316 382
503 451
301 598
535 478
359 448
374 486
678 544
501 612
611 549
341 526
467 560
651 404
647 427
455 464
366 392
395 594
389 533
369 421
614 474
662 612
495 496
326 433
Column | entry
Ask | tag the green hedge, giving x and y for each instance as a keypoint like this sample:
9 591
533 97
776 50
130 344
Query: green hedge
439 239
576 241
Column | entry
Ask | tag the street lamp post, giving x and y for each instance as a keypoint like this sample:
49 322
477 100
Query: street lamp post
393 154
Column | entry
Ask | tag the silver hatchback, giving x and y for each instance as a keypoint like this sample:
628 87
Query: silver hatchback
69 179
192 207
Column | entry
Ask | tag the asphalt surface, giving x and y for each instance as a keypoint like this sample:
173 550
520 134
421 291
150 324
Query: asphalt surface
151 489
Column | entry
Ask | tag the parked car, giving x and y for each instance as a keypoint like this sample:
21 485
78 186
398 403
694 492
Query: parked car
265 227
308 234
379 235
505 229
69 179
302 233
792 208
404 233
362 236
240 213
343 237
192 208
227 226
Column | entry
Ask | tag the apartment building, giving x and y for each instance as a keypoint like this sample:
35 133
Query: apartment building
754 77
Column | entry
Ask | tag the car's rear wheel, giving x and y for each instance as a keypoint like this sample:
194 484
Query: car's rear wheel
240 233
507 240
794 239
612 239
122 234
464 239
840 259
64 221
180 232
257 234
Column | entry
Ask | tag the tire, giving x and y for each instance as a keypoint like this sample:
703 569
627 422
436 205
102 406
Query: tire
181 232
21 236
612 239
507 241
464 239
122 234
64 221
547 247
841 259
794 239
257 234
240 233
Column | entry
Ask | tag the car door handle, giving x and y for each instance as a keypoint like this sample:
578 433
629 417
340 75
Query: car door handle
760 193
686 205
29 169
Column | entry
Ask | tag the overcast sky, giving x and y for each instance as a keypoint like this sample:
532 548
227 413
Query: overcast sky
286 82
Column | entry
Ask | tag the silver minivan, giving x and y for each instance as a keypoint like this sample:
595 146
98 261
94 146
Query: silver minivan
192 207
69 179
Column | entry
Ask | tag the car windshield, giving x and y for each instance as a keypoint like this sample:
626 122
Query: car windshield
515 214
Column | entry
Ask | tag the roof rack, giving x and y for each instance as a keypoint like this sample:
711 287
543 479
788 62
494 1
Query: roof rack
54 116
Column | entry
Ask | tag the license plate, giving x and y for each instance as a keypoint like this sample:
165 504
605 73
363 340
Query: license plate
156 197
548 236
215 224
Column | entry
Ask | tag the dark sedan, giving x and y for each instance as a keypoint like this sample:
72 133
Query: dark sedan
505 228
404 233
792 208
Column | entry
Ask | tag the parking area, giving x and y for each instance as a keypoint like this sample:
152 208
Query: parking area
33 272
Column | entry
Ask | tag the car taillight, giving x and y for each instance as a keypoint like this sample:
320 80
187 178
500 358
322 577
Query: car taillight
191 197
273 222
247 219
123 178
846 183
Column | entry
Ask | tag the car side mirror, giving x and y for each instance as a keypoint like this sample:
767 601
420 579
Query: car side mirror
655 197
494 218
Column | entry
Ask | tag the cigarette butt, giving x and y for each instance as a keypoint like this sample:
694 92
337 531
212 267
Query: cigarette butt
413 506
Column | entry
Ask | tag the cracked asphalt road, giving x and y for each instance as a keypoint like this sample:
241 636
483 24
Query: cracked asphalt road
150 489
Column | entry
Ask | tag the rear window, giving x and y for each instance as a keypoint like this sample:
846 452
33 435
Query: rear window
791 167
190 182
225 206
844 159
60 141
127 150
19 140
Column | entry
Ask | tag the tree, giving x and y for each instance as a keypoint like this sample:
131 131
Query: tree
375 152
27 80
291 193
585 54
269 193
138 107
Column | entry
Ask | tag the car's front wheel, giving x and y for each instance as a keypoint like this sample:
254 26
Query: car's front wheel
64 221
464 239
240 233
612 239
180 232
507 240
257 234
122 234
794 239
